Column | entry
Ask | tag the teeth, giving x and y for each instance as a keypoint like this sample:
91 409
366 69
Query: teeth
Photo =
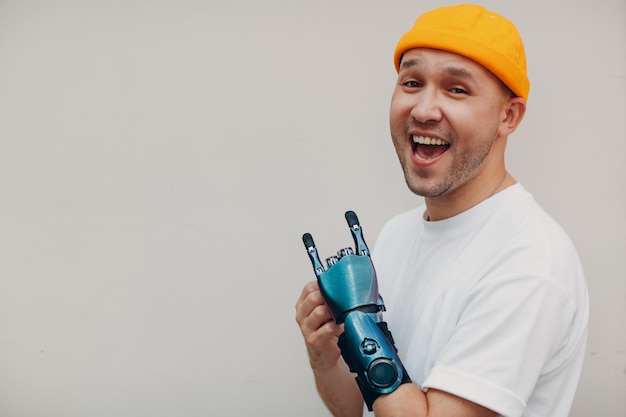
425 140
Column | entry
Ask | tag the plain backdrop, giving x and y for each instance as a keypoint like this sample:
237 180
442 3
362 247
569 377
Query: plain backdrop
160 161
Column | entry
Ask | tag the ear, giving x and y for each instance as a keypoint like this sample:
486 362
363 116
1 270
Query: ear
512 114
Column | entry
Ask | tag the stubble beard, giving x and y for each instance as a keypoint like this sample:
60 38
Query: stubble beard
463 167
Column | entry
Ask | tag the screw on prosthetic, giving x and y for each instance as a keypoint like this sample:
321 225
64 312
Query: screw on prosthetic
350 288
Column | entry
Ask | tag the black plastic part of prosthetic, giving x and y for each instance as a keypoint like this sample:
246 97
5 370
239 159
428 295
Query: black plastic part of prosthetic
368 392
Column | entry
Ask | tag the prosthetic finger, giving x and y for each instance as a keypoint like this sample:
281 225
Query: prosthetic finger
350 282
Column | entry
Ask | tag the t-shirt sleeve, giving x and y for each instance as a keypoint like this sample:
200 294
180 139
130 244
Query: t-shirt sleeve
510 330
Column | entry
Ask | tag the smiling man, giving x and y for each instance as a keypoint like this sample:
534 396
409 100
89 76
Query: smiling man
485 295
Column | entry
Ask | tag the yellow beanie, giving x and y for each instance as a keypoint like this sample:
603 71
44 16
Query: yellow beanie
476 33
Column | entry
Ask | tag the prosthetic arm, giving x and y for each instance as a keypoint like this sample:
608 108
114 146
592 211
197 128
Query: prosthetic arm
350 289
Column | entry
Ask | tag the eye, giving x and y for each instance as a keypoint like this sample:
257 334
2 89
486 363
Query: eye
458 90
412 84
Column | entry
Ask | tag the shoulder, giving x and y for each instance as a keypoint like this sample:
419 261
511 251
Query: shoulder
528 229
514 217
534 256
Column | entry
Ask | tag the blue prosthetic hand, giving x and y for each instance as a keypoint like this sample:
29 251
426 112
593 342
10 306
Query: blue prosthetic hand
350 289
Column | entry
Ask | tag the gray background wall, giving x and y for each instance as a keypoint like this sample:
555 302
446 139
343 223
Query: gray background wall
159 161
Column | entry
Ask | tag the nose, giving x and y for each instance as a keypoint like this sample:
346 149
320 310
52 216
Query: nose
427 106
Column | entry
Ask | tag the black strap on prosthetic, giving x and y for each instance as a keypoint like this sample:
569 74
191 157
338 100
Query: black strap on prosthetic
384 370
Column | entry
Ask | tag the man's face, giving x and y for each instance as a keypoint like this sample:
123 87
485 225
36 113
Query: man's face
445 116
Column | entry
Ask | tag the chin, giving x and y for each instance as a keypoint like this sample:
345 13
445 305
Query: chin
425 188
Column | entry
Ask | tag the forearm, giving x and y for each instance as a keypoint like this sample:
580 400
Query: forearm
410 401
342 397
407 401
335 384
339 391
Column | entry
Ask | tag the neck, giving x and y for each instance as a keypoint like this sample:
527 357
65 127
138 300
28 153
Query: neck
464 198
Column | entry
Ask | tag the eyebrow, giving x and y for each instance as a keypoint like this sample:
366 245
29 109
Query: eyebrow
408 63
460 72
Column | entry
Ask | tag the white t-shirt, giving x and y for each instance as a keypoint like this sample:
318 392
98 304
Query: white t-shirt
490 305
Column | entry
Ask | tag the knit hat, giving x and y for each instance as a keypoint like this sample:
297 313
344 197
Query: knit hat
476 33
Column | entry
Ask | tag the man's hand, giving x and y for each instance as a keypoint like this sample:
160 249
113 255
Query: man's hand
318 328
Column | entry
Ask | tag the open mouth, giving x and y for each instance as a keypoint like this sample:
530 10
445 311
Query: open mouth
427 148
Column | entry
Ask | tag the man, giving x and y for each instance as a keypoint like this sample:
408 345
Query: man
485 295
